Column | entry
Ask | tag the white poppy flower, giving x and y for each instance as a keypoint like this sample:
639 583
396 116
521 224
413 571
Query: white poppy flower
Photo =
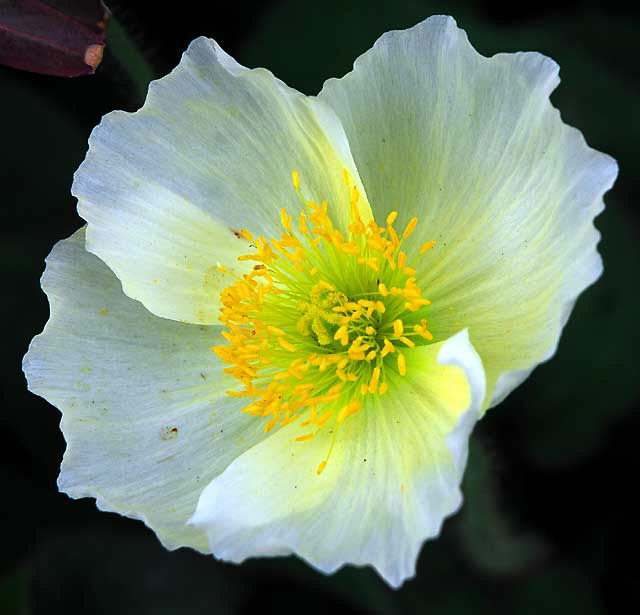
373 268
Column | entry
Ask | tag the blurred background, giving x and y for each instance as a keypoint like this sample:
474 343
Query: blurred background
549 523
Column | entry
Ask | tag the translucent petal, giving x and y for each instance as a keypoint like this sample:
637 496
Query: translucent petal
167 189
392 478
144 413
473 147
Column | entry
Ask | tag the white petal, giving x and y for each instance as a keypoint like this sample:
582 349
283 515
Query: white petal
392 478
144 413
165 190
473 147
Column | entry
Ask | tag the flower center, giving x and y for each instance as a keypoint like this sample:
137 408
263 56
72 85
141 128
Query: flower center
322 320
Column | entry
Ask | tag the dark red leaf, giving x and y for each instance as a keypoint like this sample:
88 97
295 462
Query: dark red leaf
65 38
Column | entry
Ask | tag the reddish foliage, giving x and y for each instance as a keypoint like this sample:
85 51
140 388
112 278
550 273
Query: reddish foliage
65 38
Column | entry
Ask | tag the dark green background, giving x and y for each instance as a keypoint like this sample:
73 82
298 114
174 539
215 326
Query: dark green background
549 524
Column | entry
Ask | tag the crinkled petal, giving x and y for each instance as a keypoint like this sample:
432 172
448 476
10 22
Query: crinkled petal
473 147
392 478
166 190
144 412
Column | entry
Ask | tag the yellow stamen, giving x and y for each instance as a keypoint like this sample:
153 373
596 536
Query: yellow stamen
398 327
351 408
402 364
302 223
286 345
271 424
340 333
373 383
388 348
324 418
323 284
346 176
337 335
410 227
402 260
285 219
427 246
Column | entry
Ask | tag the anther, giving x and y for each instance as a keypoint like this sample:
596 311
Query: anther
402 364
427 246
410 227
398 327
375 377
286 345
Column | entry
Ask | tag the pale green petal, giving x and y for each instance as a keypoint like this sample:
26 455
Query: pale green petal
166 189
392 478
144 413
472 146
